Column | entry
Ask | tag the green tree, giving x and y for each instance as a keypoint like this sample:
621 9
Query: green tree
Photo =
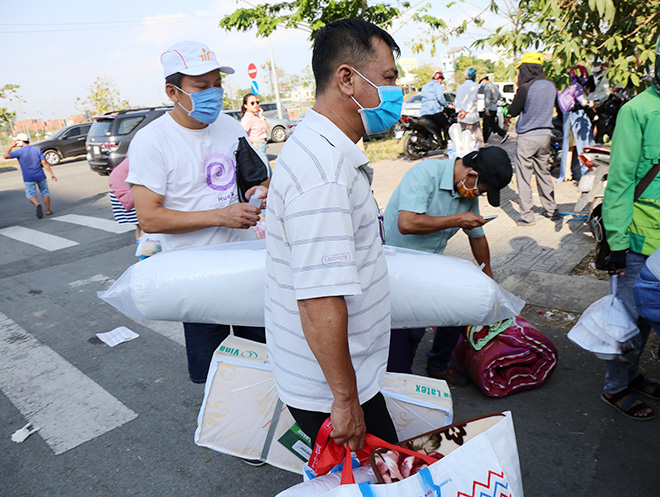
423 74
312 15
574 31
103 97
8 92
465 62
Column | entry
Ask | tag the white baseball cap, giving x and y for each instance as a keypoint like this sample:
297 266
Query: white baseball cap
190 58
22 137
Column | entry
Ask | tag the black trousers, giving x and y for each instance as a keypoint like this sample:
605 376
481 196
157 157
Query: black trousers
376 417
490 123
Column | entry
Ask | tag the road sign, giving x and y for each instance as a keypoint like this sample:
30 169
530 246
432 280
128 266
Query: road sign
255 88
252 71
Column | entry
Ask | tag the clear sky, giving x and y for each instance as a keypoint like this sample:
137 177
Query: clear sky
55 50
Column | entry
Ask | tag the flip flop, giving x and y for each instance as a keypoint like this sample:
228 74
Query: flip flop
626 408
640 384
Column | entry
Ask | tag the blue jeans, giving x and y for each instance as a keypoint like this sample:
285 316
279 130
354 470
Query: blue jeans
619 374
403 346
31 188
444 342
578 123
202 340
647 297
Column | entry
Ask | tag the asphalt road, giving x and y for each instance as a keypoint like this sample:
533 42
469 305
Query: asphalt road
138 438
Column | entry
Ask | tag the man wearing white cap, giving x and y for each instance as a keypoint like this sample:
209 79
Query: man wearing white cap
183 177
33 163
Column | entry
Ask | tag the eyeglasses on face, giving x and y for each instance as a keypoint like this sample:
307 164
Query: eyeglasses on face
254 102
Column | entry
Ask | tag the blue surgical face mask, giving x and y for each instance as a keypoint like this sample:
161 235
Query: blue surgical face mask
207 104
381 118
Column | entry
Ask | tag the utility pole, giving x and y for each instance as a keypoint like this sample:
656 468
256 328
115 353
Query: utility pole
273 74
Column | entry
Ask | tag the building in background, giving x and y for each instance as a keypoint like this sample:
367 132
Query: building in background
449 60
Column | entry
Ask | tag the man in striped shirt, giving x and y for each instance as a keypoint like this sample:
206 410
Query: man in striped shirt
327 289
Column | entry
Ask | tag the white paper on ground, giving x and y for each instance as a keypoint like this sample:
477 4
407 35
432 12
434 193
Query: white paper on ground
19 436
117 336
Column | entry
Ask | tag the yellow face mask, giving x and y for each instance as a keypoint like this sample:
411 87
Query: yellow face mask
468 192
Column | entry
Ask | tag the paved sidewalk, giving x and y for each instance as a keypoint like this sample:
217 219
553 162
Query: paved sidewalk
518 252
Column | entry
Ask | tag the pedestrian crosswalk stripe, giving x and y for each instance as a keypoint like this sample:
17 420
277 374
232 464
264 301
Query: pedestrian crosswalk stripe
52 394
37 238
96 223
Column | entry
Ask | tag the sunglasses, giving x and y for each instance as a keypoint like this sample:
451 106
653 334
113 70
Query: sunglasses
254 102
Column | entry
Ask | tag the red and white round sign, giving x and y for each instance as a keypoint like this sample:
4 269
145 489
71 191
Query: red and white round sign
252 71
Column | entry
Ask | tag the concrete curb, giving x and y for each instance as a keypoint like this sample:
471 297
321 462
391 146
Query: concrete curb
559 291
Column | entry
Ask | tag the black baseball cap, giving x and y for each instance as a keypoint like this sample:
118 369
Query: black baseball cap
494 167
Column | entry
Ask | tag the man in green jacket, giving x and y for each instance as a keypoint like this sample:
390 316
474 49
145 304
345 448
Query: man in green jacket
633 232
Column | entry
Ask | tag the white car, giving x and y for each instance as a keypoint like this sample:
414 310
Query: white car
278 129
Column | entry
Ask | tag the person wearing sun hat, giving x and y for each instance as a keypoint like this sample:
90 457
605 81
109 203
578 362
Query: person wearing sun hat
183 178
434 200
32 163
534 102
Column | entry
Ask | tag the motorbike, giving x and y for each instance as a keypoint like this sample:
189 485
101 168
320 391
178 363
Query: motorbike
607 113
503 110
592 184
422 135
556 140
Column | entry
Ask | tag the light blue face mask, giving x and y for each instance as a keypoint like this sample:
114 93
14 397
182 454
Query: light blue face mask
381 118
207 104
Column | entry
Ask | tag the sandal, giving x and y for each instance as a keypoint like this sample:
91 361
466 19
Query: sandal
640 385
627 408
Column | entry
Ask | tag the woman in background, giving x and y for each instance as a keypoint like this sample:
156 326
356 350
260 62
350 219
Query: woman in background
254 123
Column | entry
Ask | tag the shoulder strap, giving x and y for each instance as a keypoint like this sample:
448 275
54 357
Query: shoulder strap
646 181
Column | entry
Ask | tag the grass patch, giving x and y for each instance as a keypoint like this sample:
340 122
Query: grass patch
383 149
9 163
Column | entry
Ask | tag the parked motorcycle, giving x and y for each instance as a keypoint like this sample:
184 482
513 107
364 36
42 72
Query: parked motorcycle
422 135
607 113
556 140
592 184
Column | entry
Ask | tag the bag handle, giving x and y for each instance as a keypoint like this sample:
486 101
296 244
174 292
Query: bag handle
324 444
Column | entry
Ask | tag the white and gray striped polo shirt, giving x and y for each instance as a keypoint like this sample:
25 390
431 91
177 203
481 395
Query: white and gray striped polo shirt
323 240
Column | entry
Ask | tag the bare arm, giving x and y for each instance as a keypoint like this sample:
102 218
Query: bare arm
325 325
46 166
412 223
12 144
154 218
481 253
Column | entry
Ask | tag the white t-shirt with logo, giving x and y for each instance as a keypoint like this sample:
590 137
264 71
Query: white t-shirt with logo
193 169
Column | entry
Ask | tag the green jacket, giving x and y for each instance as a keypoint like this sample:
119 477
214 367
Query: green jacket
635 149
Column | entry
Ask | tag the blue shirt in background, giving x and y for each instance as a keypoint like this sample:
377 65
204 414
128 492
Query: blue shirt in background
428 188
433 98
29 158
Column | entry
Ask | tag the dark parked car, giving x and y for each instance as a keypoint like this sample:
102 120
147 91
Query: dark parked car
111 133
65 142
